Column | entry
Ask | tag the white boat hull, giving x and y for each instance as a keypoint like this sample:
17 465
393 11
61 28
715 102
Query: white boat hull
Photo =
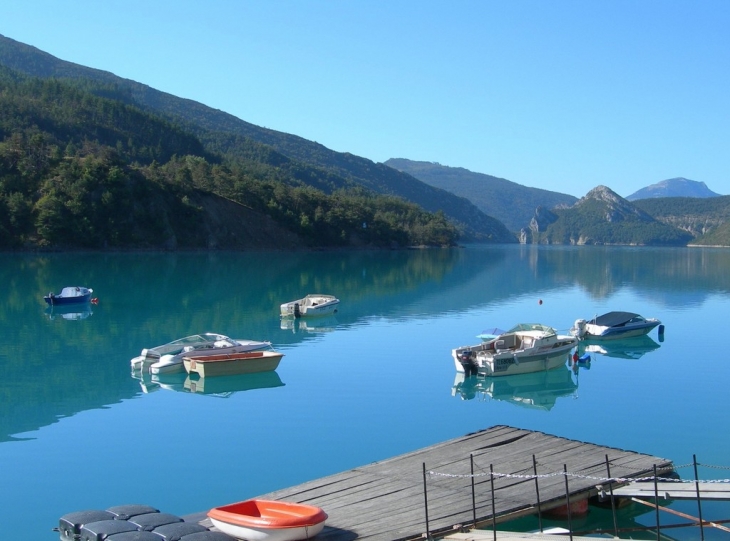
173 364
310 306
606 333
506 365
268 534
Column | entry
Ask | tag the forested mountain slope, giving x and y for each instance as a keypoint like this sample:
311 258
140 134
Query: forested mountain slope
82 171
343 168
602 217
509 202
705 218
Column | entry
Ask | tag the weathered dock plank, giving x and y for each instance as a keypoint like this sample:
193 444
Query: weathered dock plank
385 501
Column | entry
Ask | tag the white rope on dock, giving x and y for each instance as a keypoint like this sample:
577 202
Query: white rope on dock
576 475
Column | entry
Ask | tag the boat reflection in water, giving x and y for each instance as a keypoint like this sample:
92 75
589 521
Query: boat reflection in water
228 385
627 348
314 325
536 390
70 312
220 386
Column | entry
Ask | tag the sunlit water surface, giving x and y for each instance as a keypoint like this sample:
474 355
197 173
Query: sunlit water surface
376 380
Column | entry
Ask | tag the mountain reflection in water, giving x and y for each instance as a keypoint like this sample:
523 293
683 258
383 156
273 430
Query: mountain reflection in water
386 360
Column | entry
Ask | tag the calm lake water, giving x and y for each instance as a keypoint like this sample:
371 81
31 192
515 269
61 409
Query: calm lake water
78 432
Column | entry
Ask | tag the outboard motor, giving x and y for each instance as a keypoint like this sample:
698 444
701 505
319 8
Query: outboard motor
297 313
468 361
579 328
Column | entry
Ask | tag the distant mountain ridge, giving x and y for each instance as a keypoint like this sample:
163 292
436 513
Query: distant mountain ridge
601 217
509 202
344 167
673 187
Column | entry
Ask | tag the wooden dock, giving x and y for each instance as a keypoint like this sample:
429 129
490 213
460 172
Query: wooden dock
392 499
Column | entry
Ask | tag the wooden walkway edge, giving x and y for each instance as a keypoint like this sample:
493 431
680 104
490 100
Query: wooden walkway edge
676 491
385 501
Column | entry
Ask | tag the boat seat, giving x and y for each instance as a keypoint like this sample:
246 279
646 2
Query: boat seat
508 342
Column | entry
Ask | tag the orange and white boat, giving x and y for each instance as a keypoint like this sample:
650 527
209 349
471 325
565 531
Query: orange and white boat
268 520
229 364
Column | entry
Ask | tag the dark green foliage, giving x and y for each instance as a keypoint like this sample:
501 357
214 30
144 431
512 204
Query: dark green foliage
706 219
718 236
663 207
81 169
603 217
315 164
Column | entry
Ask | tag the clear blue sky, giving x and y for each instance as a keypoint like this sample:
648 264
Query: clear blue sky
558 94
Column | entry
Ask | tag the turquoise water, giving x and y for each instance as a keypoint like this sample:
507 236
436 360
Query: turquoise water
374 381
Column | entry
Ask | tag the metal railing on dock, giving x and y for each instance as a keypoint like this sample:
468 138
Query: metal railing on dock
608 488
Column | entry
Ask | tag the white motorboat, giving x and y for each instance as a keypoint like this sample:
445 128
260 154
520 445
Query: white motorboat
168 358
527 347
613 325
311 305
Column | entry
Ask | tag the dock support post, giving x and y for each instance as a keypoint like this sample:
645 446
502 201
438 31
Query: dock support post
537 493
699 500
494 512
425 502
473 496
613 503
656 504
567 501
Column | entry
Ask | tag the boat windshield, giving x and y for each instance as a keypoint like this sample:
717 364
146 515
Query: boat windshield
521 327
195 339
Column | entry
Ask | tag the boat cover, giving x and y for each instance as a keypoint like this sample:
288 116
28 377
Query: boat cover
612 319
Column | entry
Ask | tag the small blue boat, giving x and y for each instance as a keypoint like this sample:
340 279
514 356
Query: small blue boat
69 295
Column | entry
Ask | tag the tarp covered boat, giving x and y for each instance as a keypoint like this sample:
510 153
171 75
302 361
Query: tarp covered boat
613 325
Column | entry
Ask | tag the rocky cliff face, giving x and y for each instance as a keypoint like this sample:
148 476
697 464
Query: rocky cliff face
615 207
601 217
540 221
